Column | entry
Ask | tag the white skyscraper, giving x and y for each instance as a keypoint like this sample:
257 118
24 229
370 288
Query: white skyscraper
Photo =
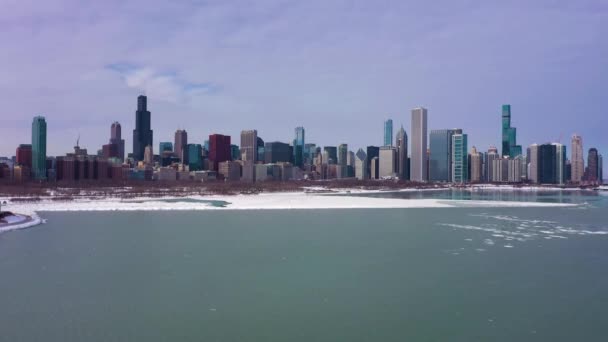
576 159
418 159
360 165
388 156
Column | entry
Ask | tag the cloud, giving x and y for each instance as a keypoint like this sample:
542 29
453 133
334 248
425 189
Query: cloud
162 86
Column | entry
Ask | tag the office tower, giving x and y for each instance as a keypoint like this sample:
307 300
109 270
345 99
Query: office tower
500 170
342 154
372 152
388 132
591 175
577 160
460 163
361 165
350 164
148 155
181 141
490 156
39 148
309 153
195 157
24 155
418 159
275 152
533 163
235 152
116 139
440 159
332 154
476 165
298 147
219 150
142 134
560 163
165 146
387 161
600 168
509 135
260 150
249 145
375 168
402 164
547 164
514 173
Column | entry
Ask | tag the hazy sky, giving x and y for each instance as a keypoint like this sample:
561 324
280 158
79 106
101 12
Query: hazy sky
339 68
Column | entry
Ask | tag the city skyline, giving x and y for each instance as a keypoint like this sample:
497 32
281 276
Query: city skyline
242 71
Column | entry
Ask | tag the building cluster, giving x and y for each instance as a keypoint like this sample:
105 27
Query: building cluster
442 156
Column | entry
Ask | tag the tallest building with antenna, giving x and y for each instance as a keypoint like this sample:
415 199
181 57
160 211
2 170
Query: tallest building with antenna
142 134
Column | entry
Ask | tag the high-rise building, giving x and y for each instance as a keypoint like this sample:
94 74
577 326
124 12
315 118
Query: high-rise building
577 159
181 141
533 159
298 147
276 152
309 153
500 170
165 146
514 164
490 156
375 168
142 134
260 149
24 155
387 161
235 152
560 163
149 155
39 148
332 154
116 139
403 170
372 152
342 154
547 170
600 169
591 174
195 157
418 159
440 159
509 135
476 161
388 132
249 145
460 168
219 150
361 165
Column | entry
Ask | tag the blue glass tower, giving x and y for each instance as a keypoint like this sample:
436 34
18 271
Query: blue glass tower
39 148
388 132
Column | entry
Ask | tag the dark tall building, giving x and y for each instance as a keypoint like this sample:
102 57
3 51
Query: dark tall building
509 135
332 154
39 148
260 149
547 164
24 155
142 134
275 152
372 152
116 139
591 173
403 168
219 150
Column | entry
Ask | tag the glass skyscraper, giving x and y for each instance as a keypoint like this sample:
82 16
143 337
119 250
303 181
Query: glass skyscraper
298 147
509 135
440 160
39 148
388 132
195 157
460 162
142 134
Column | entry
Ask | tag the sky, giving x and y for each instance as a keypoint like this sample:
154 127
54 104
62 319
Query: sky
338 68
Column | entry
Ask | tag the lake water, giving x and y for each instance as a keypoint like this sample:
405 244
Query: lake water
437 274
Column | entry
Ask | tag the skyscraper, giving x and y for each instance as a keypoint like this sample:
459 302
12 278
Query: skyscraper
403 170
298 147
116 139
547 165
181 141
276 152
361 165
149 155
476 165
388 132
534 163
219 150
342 154
387 164
592 166
460 170
332 154
372 169
165 146
142 134
600 169
24 155
249 145
418 160
39 148
560 163
195 157
509 135
577 160
440 161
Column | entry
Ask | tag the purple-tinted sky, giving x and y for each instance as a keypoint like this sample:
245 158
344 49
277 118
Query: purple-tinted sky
339 68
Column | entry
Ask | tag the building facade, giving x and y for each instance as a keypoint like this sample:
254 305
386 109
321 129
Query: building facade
249 145
577 160
460 162
509 135
387 161
388 132
402 169
418 160
39 148
180 144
